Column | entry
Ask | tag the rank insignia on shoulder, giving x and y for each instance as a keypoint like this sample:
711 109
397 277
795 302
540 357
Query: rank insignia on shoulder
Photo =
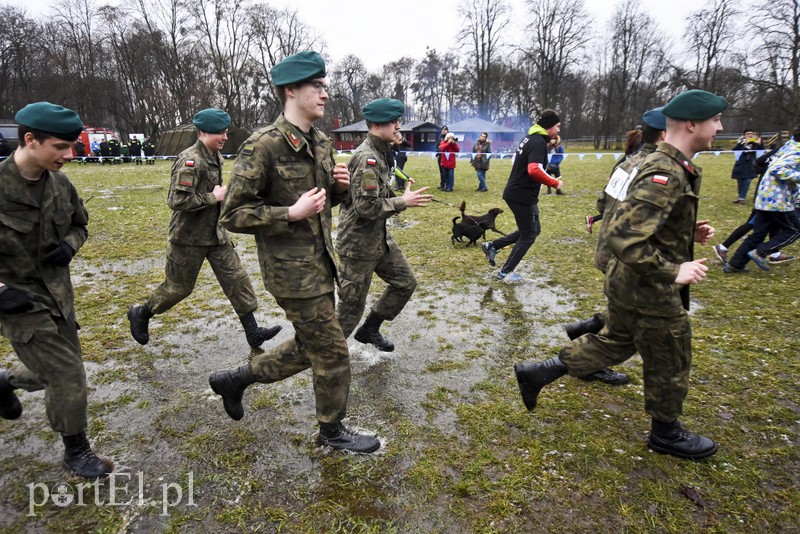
189 163
372 161
660 179
294 139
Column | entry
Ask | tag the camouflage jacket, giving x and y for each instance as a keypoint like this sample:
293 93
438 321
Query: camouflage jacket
30 227
652 232
273 168
615 192
195 210
362 229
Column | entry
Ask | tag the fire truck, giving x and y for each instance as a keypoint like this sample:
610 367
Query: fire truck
95 135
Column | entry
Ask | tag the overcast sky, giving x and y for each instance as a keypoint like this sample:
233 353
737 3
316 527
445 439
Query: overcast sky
379 34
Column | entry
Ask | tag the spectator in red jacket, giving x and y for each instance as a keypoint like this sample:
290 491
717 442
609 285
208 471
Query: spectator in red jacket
449 147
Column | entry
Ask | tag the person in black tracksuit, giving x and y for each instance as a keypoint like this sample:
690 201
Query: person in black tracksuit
522 194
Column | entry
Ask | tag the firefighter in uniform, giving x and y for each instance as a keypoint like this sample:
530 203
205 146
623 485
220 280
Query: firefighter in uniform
149 148
195 235
135 150
363 242
651 235
43 224
285 182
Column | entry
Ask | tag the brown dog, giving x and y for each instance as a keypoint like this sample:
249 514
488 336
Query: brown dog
484 221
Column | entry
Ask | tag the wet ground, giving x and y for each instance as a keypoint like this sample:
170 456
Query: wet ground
154 414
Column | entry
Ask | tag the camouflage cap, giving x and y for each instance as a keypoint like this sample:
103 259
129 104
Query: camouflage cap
694 105
384 110
655 118
211 120
52 119
297 68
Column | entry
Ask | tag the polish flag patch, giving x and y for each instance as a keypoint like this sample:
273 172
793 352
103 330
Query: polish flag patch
372 161
660 179
189 163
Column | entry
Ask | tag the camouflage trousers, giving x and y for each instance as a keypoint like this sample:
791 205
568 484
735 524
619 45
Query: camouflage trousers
319 344
183 267
50 354
664 343
356 277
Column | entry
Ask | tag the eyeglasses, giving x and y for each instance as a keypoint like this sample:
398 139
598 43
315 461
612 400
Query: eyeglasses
318 86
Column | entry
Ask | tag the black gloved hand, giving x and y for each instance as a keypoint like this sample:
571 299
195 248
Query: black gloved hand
60 256
13 300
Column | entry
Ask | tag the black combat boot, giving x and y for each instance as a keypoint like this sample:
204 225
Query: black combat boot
255 334
593 325
532 377
672 438
230 385
336 436
139 316
79 458
369 333
10 407
607 376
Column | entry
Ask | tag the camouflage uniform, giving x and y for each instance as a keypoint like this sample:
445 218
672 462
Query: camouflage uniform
363 242
195 235
610 198
274 167
35 218
650 234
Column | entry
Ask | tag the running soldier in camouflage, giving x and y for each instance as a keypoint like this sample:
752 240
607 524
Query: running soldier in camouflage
43 224
284 184
364 244
624 173
651 235
195 196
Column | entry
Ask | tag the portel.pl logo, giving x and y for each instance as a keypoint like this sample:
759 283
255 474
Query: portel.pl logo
113 491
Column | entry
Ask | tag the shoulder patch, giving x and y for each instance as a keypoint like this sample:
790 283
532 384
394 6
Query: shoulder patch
186 178
369 181
659 179
189 163
372 161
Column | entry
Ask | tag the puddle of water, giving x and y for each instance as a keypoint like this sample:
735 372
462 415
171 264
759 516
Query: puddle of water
446 340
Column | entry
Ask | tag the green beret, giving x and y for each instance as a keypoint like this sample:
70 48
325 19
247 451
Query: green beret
211 120
49 118
384 110
297 68
694 105
655 118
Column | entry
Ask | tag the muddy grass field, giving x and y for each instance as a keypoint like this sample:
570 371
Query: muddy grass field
459 452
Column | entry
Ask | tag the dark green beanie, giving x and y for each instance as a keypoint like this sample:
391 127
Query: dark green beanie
694 105
211 120
297 68
383 110
52 119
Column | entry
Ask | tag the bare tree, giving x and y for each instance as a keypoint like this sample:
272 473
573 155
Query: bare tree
20 60
776 64
484 25
636 68
559 31
349 89
275 34
397 79
227 44
710 35
175 59
436 86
